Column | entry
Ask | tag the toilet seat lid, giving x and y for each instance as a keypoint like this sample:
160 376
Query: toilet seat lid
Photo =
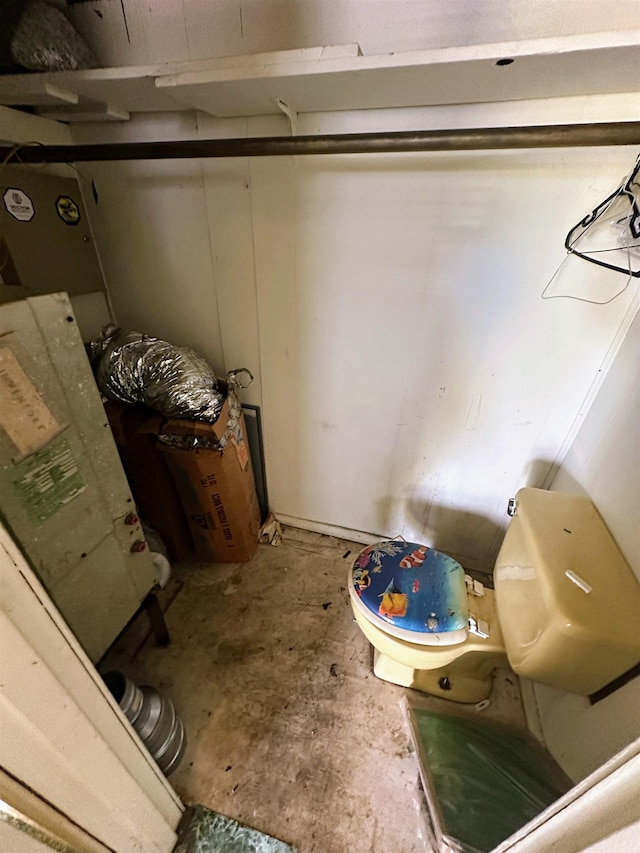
412 592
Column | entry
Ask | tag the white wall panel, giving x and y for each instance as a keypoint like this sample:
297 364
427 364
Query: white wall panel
18 842
417 377
604 463
227 187
604 460
623 841
600 813
135 33
153 239
75 750
274 217
22 128
410 374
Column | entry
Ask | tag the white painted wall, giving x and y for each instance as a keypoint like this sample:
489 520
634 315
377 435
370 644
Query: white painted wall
151 229
410 374
602 462
18 127
600 813
135 33
75 750
411 377
18 842
623 841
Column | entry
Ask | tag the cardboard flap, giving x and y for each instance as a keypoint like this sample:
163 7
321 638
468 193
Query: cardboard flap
180 426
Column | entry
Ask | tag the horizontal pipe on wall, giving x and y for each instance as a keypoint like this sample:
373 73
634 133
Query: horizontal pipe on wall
480 139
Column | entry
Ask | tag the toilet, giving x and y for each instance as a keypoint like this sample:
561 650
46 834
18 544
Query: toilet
565 610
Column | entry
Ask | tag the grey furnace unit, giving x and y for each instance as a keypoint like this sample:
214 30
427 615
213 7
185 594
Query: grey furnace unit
45 241
63 493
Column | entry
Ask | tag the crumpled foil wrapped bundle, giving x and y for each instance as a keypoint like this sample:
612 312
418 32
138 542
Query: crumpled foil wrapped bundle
198 442
176 381
46 40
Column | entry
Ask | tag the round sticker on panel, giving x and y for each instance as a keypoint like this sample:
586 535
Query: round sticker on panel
19 205
68 210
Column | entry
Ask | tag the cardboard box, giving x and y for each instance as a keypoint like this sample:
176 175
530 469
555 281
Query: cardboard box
135 429
217 490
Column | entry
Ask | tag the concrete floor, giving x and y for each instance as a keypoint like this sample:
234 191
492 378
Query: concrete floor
289 731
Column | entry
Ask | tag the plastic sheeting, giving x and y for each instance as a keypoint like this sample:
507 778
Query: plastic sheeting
159 554
483 781
176 381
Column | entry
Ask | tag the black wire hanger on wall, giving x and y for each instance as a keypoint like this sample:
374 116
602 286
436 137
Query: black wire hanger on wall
612 230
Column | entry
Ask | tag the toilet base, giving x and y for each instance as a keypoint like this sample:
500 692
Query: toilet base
461 672
465 680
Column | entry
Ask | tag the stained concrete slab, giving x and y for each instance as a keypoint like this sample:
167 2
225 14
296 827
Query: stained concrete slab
289 731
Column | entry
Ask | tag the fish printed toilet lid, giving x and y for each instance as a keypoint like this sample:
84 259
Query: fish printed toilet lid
411 592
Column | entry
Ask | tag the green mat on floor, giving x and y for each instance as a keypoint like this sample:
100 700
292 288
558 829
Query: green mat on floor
204 831
483 781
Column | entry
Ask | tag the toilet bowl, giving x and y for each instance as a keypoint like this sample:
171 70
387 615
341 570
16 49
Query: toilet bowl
564 611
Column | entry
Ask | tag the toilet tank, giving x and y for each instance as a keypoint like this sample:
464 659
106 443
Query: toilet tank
567 600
